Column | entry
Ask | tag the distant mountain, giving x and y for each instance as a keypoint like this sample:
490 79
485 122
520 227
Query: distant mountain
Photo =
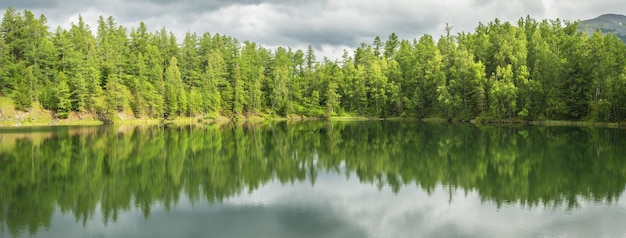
609 23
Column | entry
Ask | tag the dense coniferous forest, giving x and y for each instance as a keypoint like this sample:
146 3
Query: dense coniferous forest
529 70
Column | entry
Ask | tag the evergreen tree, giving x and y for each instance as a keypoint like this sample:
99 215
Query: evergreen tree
155 86
394 105
173 89
347 87
213 76
575 87
377 87
332 99
190 68
252 70
279 83
426 74
78 92
13 44
391 46
195 102
62 97
377 47
140 89
239 94
114 97
87 66
23 94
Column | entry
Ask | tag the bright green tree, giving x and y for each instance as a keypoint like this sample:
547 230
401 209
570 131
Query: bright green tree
173 89
62 97
503 93
114 98
213 76
239 94
279 83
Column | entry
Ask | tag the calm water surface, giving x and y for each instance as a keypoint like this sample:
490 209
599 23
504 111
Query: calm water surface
313 179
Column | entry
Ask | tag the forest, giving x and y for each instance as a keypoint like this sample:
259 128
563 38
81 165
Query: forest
531 70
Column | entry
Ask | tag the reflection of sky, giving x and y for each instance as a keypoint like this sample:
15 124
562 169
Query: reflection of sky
340 207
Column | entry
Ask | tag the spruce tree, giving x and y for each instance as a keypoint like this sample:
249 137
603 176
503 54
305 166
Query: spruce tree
23 93
62 97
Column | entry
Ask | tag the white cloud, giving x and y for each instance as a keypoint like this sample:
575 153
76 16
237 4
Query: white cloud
324 24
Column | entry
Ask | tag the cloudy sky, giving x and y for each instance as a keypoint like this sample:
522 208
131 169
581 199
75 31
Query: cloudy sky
328 25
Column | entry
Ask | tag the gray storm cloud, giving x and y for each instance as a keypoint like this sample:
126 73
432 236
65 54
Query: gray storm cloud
325 24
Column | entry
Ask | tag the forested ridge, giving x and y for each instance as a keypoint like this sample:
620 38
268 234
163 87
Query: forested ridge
531 70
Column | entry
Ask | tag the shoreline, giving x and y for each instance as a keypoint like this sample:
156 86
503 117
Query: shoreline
198 120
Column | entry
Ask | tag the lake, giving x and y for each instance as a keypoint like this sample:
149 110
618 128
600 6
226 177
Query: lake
313 179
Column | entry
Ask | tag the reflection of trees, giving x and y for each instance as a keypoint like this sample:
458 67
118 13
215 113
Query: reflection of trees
119 169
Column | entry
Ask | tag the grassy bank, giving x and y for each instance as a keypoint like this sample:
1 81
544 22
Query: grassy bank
37 116
37 120
577 123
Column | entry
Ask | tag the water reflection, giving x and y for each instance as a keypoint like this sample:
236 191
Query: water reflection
95 174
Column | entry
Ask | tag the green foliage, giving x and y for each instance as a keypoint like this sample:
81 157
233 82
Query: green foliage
78 92
114 97
503 94
239 94
194 102
174 91
62 96
213 76
279 84
532 70
23 93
